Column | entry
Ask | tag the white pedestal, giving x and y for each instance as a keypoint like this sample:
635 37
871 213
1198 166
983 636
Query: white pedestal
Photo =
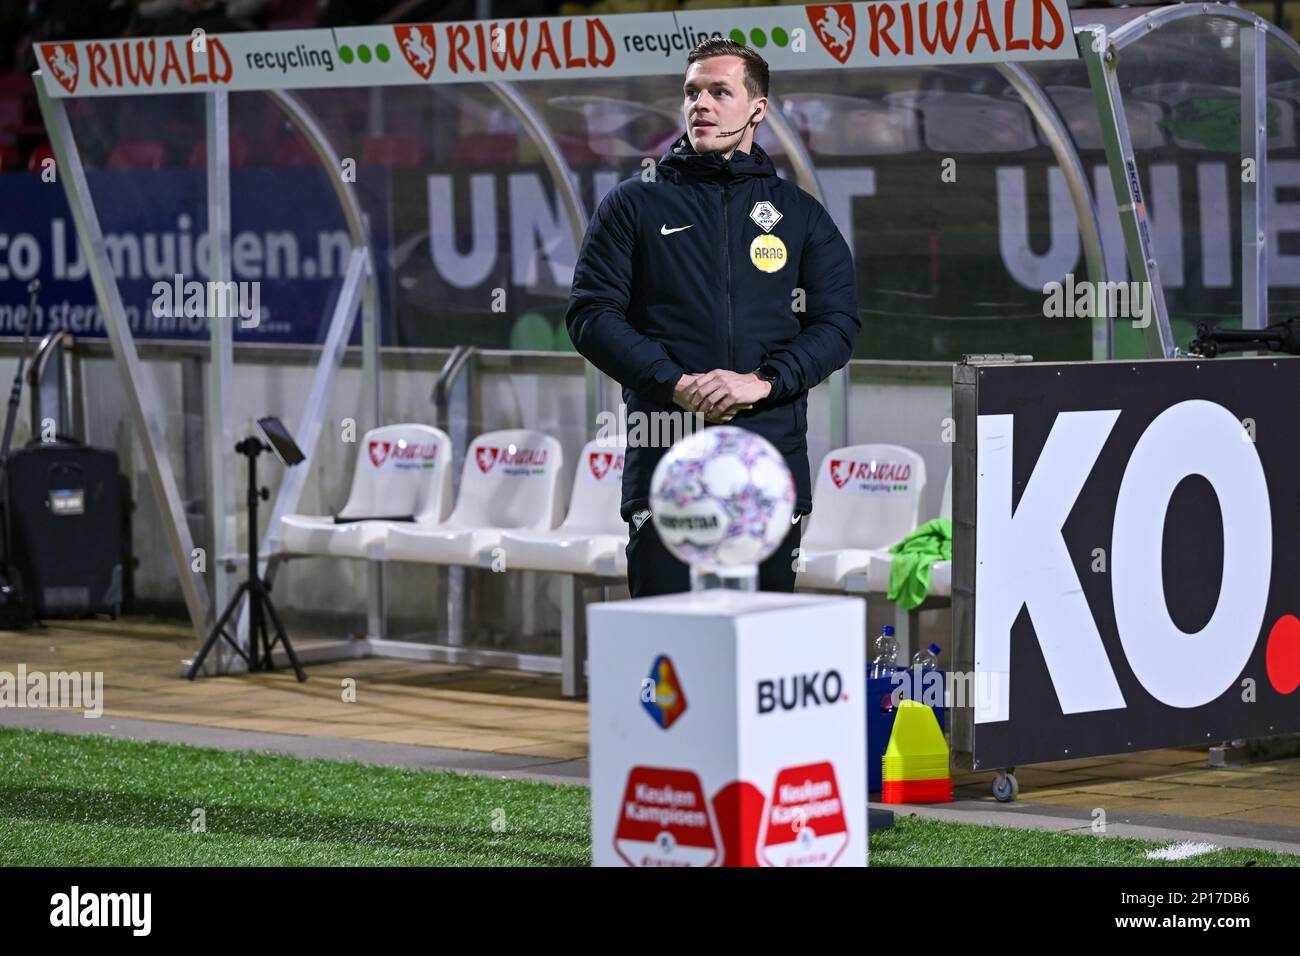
728 729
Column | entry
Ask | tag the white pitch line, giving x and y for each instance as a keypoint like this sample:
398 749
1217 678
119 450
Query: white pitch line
1180 851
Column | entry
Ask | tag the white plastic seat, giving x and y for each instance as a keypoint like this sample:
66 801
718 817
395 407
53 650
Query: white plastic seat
877 570
866 499
510 480
593 529
401 470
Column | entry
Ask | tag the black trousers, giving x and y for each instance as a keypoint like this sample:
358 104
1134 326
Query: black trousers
652 569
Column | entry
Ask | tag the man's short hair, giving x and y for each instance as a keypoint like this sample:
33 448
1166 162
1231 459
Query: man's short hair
756 72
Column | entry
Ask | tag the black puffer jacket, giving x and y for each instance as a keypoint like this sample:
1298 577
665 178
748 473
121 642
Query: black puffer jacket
714 264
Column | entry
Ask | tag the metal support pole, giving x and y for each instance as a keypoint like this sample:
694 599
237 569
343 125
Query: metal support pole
220 519
573 636
1101 59
1254 189
373 417
313 412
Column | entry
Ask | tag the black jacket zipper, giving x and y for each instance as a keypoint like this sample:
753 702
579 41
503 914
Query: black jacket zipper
726 259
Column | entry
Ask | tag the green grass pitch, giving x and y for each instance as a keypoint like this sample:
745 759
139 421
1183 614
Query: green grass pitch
100 801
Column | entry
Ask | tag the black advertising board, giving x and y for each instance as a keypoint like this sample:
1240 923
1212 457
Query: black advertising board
1126 556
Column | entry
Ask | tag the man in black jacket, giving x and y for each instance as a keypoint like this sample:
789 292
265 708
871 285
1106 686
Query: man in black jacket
714 286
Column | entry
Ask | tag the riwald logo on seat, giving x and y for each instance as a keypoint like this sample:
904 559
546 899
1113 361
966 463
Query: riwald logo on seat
605 464
662 694
511 461
870 477
403 454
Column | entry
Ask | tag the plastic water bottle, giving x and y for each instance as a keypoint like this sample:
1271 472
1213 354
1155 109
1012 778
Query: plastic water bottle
884 653
927 659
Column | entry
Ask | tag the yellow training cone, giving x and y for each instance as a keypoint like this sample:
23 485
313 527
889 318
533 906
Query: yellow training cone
916 761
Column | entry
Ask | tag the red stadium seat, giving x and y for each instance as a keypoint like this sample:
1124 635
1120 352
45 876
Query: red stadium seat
392 151
238 153
577 148
480 148
137 154
38 157
11 117
295 151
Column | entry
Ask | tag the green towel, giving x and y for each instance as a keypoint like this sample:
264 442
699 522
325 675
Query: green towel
909 573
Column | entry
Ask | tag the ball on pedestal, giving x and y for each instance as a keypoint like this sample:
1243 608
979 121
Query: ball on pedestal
722 497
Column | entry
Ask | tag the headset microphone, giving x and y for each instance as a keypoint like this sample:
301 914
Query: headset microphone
746 126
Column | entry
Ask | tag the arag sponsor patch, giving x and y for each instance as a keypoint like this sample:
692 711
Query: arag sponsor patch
664 820
804 824
767 252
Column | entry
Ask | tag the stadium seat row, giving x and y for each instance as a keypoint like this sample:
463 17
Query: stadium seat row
400 505
400 508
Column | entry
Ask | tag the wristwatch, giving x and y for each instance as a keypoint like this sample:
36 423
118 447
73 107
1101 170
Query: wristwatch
770 375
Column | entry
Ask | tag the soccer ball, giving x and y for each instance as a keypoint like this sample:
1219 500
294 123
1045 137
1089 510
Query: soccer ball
722 497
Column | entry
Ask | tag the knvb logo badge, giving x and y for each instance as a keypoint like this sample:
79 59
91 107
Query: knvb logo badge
668 702
61 58
419 47
765 215
834 25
